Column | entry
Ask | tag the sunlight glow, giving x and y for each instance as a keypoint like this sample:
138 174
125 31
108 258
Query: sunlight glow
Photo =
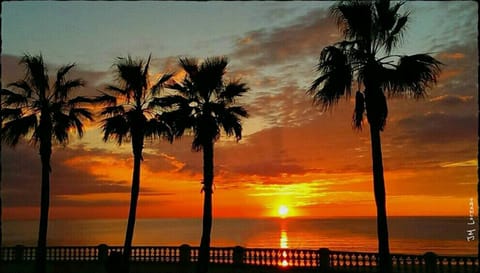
283 211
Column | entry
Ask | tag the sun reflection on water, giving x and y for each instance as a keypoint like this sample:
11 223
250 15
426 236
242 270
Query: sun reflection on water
284 245
283 239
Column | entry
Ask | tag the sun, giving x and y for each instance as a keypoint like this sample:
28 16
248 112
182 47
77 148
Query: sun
283 211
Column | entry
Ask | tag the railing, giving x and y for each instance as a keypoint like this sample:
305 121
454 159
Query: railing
267 257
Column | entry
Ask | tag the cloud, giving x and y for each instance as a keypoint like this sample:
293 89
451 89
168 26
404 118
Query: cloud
21 171
451 100
306 37
440 128
287 106
79 176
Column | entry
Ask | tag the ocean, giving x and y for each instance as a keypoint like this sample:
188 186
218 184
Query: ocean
408 235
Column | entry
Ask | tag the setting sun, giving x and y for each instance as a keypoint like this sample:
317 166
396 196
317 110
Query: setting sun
283 211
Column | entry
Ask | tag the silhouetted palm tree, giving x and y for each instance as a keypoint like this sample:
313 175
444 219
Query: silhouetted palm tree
34 109
132 114
205 104
1 174
371 30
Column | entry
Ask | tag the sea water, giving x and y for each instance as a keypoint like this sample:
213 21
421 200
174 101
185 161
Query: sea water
409 235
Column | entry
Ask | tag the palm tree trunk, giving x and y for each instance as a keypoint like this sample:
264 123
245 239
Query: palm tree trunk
380 200
204 255
41 254
137 158
1 172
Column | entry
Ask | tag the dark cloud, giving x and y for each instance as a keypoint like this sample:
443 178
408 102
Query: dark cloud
440 128
306 37
22 177
451 100
288 106
70 176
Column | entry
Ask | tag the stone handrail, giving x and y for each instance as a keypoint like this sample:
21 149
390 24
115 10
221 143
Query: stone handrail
239 256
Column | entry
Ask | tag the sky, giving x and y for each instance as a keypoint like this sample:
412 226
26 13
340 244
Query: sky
292 154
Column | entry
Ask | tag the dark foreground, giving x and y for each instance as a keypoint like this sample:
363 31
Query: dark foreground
167 259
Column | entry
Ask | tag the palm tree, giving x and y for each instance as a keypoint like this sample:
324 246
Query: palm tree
132 114
371 30
46 115
205 104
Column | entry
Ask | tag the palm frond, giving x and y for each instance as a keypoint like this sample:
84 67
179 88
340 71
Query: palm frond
413 75
81 113
172 101
23 86
202 102
36 72
130 73
179 121
231 123
113 110
13 99
160 84
77 124
181 88
210 76
396 35
145 72
116 127
159 127
62 71
354 19
116 89
335 77
61 125
190 65
15 129
105 99
357 120
10 113
80 100
237 111
233 90
61 91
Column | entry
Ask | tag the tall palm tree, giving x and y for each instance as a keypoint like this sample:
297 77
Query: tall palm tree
371 29
46 115
205 104
132 114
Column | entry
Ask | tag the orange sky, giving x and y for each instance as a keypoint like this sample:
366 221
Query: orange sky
292 154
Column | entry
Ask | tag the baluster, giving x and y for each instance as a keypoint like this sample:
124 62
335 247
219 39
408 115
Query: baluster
368 261
247 257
